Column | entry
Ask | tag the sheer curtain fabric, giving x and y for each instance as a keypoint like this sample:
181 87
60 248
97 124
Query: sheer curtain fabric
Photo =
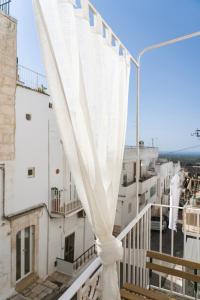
89 82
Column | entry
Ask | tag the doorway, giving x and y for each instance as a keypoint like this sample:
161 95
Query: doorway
69 248
25 252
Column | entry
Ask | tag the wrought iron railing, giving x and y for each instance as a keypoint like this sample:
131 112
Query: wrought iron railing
71 268
60 205
84 258
5 6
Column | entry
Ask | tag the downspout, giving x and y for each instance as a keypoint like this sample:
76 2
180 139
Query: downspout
2 168
47 262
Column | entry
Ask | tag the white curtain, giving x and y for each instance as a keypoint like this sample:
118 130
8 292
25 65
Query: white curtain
175 192
88 79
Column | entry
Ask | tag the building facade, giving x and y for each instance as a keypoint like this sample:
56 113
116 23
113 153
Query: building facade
43 227
154 183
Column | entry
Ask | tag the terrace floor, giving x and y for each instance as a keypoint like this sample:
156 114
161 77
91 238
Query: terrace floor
48 289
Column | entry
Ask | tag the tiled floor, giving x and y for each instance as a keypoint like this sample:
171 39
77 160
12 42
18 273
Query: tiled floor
44 289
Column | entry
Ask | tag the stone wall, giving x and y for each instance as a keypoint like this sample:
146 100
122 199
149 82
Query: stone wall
8 29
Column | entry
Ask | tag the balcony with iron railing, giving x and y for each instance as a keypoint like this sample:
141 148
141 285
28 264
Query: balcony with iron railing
5 6
137 239
60 205
72 268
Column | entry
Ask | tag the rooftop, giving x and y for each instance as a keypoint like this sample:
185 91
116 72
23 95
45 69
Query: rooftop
5 6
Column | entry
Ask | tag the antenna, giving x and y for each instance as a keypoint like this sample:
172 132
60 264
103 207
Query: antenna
196 133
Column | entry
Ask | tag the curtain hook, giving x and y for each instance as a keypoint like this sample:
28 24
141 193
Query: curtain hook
85 9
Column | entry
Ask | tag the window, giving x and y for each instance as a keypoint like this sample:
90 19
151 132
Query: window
50 105
125 180
31 172
152 191
142 199
129 207
28 117
134 170
123 166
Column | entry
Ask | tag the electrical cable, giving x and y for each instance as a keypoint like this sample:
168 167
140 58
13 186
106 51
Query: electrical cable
186 148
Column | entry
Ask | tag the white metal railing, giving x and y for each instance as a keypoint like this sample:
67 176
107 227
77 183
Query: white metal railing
89 284
191 218
137 238
31 79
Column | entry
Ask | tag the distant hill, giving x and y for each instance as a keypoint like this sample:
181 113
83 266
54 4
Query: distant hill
183 157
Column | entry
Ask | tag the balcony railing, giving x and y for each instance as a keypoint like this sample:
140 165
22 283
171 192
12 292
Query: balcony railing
5 6
31 79
60 206
128 183
192 220
137 238
146 177
71 268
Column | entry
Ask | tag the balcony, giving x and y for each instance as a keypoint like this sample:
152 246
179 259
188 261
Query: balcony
5 6
191 220
61 207
31 79
128 183
75 267
138 239
146 183
145 152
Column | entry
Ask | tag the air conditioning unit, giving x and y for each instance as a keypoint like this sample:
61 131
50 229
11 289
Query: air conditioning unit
81 214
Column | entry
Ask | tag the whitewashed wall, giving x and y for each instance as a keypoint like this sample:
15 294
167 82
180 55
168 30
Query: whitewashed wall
31 151
5 251
126 207
61 228
165 172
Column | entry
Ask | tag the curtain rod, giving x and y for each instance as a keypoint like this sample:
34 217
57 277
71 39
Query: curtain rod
94 10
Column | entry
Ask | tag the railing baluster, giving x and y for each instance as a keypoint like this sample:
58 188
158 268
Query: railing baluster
137 246
145 248
172 249
141 252
160 241
134 277
124 260
198 243
129 256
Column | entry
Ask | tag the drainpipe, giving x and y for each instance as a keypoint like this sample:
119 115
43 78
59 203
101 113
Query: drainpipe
49 195
2 168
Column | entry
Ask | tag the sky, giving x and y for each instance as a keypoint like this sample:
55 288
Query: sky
170 87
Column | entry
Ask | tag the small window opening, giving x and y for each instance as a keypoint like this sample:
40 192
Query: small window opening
31 172
28 117
129 207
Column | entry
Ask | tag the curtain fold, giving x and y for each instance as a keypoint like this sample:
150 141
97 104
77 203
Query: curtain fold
88 82
175 193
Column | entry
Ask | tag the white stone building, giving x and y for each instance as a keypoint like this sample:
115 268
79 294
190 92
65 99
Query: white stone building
154 183
43 227
42 218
